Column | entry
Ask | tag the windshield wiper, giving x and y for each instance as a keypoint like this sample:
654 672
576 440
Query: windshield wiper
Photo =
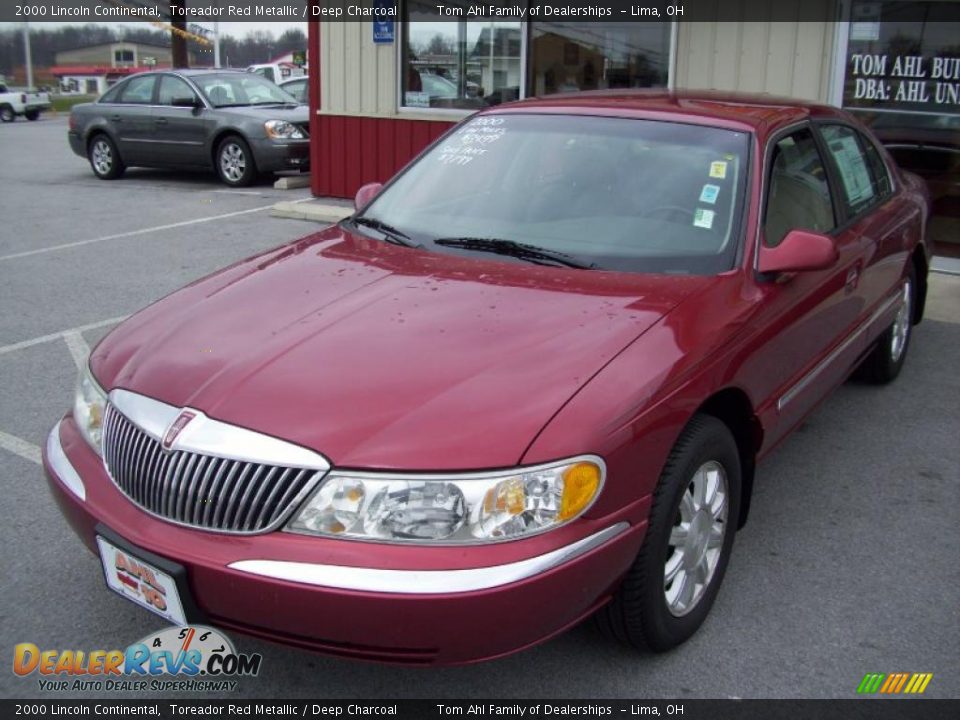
511 248
390 233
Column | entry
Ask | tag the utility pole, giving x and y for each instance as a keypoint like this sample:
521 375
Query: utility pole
216 44
178 42
26 51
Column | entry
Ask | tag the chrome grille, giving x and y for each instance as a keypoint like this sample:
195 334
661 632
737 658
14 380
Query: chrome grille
200 490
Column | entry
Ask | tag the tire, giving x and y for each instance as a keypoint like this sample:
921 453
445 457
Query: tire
32 114
234 162
7 114
885 361
648 611
105 160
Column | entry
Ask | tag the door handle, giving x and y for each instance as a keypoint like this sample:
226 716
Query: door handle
853 277
115 118
160 121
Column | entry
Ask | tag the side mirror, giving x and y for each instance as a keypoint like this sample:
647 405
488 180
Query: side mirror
365 194
800 250
186 101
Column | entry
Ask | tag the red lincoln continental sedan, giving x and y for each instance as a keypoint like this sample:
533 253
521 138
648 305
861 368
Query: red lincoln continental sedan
527 382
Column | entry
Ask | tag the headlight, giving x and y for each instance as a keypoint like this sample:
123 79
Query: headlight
88 407
451 509
282 130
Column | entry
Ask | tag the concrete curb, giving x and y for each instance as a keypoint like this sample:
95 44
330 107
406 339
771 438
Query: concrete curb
292 182
317 212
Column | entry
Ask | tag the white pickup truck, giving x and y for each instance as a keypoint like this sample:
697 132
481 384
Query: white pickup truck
21 102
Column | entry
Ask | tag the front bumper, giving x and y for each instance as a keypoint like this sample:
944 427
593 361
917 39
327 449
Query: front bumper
389 603
275 155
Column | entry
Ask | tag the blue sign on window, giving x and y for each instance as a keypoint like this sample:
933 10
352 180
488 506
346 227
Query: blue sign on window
383 30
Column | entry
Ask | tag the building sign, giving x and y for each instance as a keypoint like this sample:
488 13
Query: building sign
903 57
383 30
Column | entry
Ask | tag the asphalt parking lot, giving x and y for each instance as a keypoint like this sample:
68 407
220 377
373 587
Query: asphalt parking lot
849 563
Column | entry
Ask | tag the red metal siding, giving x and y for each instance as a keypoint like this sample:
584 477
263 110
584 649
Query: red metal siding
348 152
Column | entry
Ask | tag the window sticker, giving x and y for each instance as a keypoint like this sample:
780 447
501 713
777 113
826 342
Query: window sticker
718 169
709 194
703 218
853 170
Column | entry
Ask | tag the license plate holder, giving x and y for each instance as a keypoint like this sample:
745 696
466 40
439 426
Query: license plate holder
145 579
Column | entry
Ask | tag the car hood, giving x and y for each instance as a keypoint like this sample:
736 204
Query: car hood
380 356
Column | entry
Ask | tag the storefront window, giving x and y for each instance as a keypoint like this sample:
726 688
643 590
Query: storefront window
903 79
458 64
571 56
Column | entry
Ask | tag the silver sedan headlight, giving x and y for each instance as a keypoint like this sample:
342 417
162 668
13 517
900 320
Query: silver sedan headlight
89 404
282 130
451 508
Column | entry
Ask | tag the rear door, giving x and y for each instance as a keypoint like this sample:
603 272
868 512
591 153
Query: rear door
880 219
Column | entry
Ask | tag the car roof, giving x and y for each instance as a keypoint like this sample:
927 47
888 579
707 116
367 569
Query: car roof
759 113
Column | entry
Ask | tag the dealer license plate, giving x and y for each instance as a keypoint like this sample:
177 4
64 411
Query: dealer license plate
140 582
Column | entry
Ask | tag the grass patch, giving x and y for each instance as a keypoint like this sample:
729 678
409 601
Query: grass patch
63 103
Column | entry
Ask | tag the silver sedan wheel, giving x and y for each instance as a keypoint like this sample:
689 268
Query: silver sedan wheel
901 326
696 539
101 156
233 162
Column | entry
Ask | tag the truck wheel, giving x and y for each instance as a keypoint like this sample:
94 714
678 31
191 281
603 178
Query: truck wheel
104 158
7 114
235 163
32 114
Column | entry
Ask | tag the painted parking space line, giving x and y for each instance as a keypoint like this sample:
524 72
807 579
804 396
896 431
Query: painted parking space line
79 350
133 233
26 450
61 334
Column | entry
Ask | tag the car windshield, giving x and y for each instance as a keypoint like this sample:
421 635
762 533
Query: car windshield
608 193
238 89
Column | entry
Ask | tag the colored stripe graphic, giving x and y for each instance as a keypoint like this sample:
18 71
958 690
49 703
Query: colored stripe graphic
895 683
871 683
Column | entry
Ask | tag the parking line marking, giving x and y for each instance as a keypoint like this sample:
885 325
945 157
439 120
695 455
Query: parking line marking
26 450
57 335
78 348
133 233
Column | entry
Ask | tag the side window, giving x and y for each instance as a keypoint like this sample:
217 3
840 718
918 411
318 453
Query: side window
139 90
859 190
111 95
173 87
798 196
881 176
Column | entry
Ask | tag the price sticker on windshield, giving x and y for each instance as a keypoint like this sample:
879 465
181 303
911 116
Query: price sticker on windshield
709 194
718 169
703 218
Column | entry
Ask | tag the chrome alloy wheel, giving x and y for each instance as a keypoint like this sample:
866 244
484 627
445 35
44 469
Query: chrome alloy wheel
901 325
102 157
696 539
233 162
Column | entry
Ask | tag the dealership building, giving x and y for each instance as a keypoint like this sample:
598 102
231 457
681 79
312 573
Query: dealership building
384 90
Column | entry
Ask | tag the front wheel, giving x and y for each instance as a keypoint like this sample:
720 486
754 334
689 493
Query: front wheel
7 114
104 158
885 361
235 163
668 591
